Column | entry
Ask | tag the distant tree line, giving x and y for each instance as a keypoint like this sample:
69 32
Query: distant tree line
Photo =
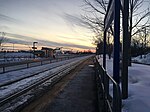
109 49
138 48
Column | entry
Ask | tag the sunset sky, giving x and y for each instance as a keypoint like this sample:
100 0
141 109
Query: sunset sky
52 23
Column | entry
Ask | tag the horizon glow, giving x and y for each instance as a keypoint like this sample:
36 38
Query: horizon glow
47 20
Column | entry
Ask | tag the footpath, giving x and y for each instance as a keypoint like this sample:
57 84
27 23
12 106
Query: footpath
80 94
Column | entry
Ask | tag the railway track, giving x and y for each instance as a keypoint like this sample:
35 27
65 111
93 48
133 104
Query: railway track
28 75
21 78
51 79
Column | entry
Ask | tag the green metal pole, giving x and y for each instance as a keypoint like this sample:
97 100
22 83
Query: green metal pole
125 50
116 60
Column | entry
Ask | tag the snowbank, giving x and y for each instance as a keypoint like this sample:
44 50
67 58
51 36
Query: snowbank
142 59
139 87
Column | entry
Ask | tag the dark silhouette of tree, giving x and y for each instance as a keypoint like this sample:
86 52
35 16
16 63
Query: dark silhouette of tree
95 11
140 43
3 39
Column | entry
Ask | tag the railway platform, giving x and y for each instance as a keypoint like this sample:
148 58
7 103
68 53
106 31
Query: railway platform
79 95
76 93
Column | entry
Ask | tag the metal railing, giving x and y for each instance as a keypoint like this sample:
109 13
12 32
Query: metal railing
110 101
7 67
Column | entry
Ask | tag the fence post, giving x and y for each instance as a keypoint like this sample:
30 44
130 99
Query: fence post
106 83
27 65
4 69
116 99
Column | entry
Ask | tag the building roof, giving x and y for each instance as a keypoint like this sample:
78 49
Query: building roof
46 48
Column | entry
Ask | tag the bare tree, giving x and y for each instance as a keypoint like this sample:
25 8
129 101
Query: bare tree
138 16
95 11
138 20
3 39
94 16
142 41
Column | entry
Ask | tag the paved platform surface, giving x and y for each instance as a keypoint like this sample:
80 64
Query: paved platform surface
79 95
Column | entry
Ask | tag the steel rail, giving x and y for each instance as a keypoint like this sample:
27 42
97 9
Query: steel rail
22 78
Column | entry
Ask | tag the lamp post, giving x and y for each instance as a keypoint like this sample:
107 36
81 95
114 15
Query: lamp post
34 47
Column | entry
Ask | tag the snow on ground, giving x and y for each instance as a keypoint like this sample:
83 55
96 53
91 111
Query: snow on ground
6 90
144 59
139 87
10 76
15 56
14 75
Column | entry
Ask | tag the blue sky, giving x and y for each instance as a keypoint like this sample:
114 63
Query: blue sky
52 23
